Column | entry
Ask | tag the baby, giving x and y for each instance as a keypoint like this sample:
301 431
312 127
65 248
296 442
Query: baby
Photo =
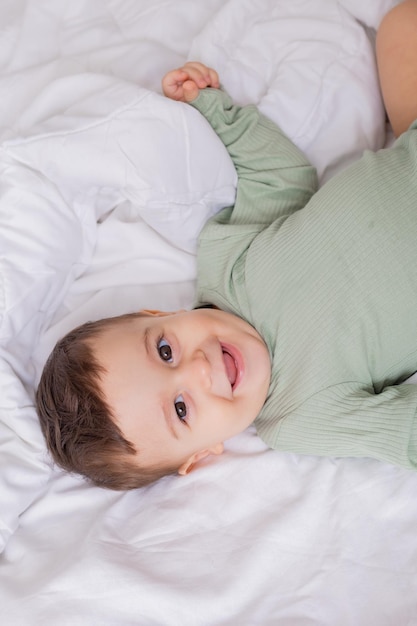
305 318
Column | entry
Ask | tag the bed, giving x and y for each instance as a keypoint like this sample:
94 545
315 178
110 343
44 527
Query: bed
105 185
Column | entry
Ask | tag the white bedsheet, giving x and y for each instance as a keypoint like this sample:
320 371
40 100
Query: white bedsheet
104 187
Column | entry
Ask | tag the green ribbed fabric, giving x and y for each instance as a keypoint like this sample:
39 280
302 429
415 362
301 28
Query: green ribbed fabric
328 278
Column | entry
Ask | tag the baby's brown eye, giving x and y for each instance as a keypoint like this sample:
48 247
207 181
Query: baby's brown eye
180 408
164 350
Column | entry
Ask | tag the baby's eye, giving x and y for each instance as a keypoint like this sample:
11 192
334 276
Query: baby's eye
180 408
164 350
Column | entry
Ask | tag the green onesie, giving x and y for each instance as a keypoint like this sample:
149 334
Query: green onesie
328 278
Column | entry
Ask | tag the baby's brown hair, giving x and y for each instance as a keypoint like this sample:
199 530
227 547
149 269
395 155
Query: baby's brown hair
79 428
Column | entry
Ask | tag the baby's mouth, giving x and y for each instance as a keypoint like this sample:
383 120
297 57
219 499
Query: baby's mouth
231 367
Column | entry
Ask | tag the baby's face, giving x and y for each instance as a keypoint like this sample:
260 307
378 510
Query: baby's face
180 384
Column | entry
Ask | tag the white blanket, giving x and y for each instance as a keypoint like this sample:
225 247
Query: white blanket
105 185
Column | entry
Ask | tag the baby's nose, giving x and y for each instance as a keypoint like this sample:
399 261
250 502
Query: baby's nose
200 370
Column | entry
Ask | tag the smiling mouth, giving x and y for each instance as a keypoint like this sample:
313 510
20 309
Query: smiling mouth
230 364
233 364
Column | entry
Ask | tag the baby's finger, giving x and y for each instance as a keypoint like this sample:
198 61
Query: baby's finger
214 78
191 91
197 72
203 75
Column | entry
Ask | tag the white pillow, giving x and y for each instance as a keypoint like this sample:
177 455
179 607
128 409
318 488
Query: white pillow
115 148
310 67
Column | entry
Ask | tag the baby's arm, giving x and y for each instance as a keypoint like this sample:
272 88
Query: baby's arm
349 420
273 173
397 64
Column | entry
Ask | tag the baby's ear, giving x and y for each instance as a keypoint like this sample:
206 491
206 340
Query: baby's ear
191 463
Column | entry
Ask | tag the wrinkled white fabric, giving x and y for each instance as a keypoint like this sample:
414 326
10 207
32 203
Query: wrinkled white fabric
104 186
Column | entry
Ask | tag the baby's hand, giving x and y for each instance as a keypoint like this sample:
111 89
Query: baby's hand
185 83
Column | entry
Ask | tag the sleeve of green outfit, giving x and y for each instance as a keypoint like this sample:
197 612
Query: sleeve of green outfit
348 420
274 177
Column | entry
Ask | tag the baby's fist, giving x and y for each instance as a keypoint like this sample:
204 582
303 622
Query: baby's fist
185 83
